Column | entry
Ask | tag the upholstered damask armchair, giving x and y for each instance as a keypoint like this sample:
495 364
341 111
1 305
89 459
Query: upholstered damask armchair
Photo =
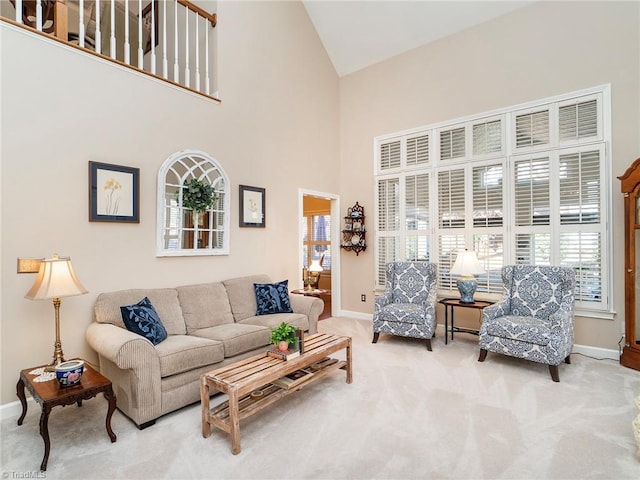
408 306
534 319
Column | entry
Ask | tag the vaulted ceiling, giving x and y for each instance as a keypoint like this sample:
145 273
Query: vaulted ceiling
357 34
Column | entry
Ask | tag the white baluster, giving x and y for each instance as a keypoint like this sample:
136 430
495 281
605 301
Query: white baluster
197 53
165 64
206 58
187 74
112 39
39 15
98 33
127 45
140 50
176 67
81 23
153 37
19 11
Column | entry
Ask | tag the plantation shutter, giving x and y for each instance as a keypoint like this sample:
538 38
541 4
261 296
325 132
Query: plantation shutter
487 137
417 217
579 120
533 248
387 252
390 155
451 204
389 204
418 150
452 144
580 187
532 129
488 209
582 251
531 187
448 247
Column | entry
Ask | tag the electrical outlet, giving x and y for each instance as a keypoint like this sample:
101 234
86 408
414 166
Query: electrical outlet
363 298
28 265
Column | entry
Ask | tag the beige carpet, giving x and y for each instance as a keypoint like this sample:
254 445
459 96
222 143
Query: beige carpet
410 413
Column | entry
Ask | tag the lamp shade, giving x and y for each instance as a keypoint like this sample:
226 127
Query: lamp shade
467 264
315 266
56 279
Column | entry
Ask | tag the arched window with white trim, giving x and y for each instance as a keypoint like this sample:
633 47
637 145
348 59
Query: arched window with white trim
180 230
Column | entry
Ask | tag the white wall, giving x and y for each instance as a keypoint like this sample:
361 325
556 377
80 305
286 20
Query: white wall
539 51
277 122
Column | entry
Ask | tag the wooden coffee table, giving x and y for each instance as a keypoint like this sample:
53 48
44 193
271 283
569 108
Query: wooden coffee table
50 393
248 382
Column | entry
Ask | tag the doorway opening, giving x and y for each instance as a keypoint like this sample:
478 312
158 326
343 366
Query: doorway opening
320 248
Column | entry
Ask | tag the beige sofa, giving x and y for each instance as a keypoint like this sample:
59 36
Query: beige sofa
208 326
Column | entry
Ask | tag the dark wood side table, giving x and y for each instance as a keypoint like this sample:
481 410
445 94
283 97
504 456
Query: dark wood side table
49 394
449 305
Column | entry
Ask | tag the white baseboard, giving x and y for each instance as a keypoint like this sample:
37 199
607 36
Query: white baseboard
356 315
589 351
14 409
597 352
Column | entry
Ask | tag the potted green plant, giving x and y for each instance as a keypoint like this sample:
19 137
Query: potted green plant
283 335
197 196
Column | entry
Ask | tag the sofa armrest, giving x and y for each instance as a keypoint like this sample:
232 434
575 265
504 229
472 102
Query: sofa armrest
312 307
129 356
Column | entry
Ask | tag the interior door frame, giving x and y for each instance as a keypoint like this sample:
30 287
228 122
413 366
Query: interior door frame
335 242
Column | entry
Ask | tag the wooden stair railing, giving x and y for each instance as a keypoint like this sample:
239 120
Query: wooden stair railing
170 30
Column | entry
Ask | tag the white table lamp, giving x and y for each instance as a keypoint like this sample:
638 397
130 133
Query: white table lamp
467 265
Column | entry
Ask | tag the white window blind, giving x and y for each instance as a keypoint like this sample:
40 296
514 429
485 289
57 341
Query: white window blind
390 155
451 200
533 191
580 187
531 187
487 137
452 143
389 204
579 120
418 150
532 129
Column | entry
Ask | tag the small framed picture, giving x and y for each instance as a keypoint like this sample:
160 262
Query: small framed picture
114 193
252 201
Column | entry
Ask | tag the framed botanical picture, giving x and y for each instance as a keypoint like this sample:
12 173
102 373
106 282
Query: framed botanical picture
252 206
114 193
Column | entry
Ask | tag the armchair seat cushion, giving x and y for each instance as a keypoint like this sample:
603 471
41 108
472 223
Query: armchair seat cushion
524 329
402 313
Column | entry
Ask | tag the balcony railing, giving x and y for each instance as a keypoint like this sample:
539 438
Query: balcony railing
173 40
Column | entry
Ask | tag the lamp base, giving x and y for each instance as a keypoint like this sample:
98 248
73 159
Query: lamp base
467 287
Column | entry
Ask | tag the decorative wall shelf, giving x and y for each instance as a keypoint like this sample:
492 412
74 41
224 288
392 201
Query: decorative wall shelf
354 232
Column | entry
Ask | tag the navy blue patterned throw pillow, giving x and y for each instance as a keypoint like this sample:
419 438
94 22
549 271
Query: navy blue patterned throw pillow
143 319
272 298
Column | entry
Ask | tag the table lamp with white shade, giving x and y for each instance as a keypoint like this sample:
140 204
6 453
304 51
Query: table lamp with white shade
467 265
56 279
315 269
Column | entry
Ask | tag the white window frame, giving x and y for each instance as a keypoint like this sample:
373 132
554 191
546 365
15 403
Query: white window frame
508 154
200 165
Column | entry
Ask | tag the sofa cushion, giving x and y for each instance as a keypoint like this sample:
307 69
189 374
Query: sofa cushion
242 297
180 353
204 305
298 320
237 338
272 298
143 319
164 300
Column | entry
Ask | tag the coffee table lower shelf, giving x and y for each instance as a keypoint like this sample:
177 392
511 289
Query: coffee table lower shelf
250 404
250 383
